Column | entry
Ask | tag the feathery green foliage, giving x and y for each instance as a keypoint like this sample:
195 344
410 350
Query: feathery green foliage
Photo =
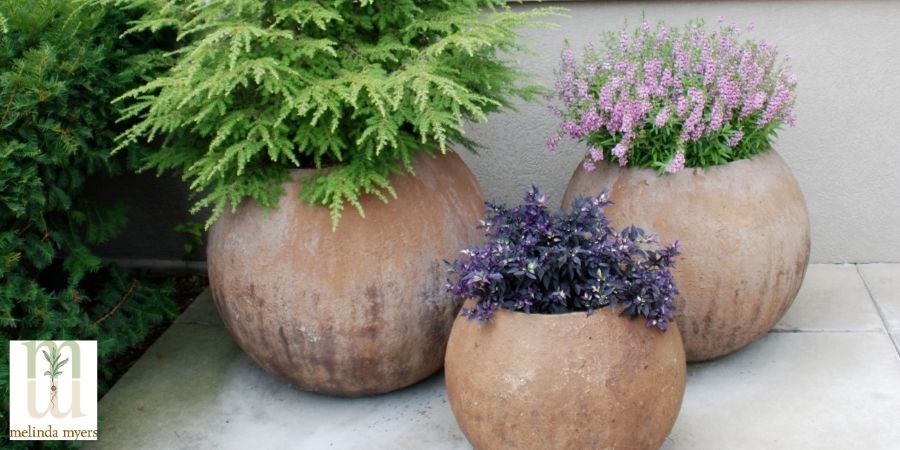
55 363
353 87
61 64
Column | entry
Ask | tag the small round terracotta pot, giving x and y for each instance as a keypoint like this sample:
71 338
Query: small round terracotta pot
356 311
564 381
744 234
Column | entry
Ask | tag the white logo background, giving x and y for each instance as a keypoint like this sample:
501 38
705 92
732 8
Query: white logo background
34 395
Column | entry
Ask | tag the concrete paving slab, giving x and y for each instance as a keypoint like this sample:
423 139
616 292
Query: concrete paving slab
883 281
833 298
795 390
178 379
194 388
202 312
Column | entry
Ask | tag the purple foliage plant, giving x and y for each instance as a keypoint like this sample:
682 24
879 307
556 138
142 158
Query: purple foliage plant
538 261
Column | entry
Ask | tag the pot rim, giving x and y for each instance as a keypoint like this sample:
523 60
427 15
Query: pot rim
299 172
693 170
561 316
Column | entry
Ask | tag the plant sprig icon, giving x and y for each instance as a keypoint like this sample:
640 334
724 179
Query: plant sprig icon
54 372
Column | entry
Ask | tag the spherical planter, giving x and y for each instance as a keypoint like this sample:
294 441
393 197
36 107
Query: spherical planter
356 311
744 234
564 381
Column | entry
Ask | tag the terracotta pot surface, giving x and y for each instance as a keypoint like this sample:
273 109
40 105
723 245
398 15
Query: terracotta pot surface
744 233
361 310
566 381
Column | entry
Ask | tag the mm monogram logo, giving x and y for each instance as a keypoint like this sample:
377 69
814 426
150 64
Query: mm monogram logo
53 390
52 355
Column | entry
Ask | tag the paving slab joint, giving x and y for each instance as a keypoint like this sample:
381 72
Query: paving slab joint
881 314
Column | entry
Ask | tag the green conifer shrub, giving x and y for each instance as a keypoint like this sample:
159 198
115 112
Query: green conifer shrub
61 64
358 87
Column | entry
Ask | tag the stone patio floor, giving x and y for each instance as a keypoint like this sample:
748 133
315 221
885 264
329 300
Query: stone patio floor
827 377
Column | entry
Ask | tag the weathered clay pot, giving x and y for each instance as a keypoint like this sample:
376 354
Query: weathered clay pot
744 233
360 310
564 381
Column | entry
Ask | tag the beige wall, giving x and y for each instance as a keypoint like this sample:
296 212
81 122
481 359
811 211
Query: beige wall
845 149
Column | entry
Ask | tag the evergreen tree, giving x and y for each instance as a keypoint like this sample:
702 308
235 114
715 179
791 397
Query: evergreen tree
61 64
355 86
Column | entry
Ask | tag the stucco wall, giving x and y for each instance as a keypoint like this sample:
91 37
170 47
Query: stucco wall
845 149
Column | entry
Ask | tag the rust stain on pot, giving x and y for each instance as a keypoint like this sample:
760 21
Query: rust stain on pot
568 381
356 311
744 231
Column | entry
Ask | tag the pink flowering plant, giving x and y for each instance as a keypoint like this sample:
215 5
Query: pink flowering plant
669 98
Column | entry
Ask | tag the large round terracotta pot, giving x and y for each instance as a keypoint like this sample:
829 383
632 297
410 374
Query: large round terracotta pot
744 234
564 381
356 311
